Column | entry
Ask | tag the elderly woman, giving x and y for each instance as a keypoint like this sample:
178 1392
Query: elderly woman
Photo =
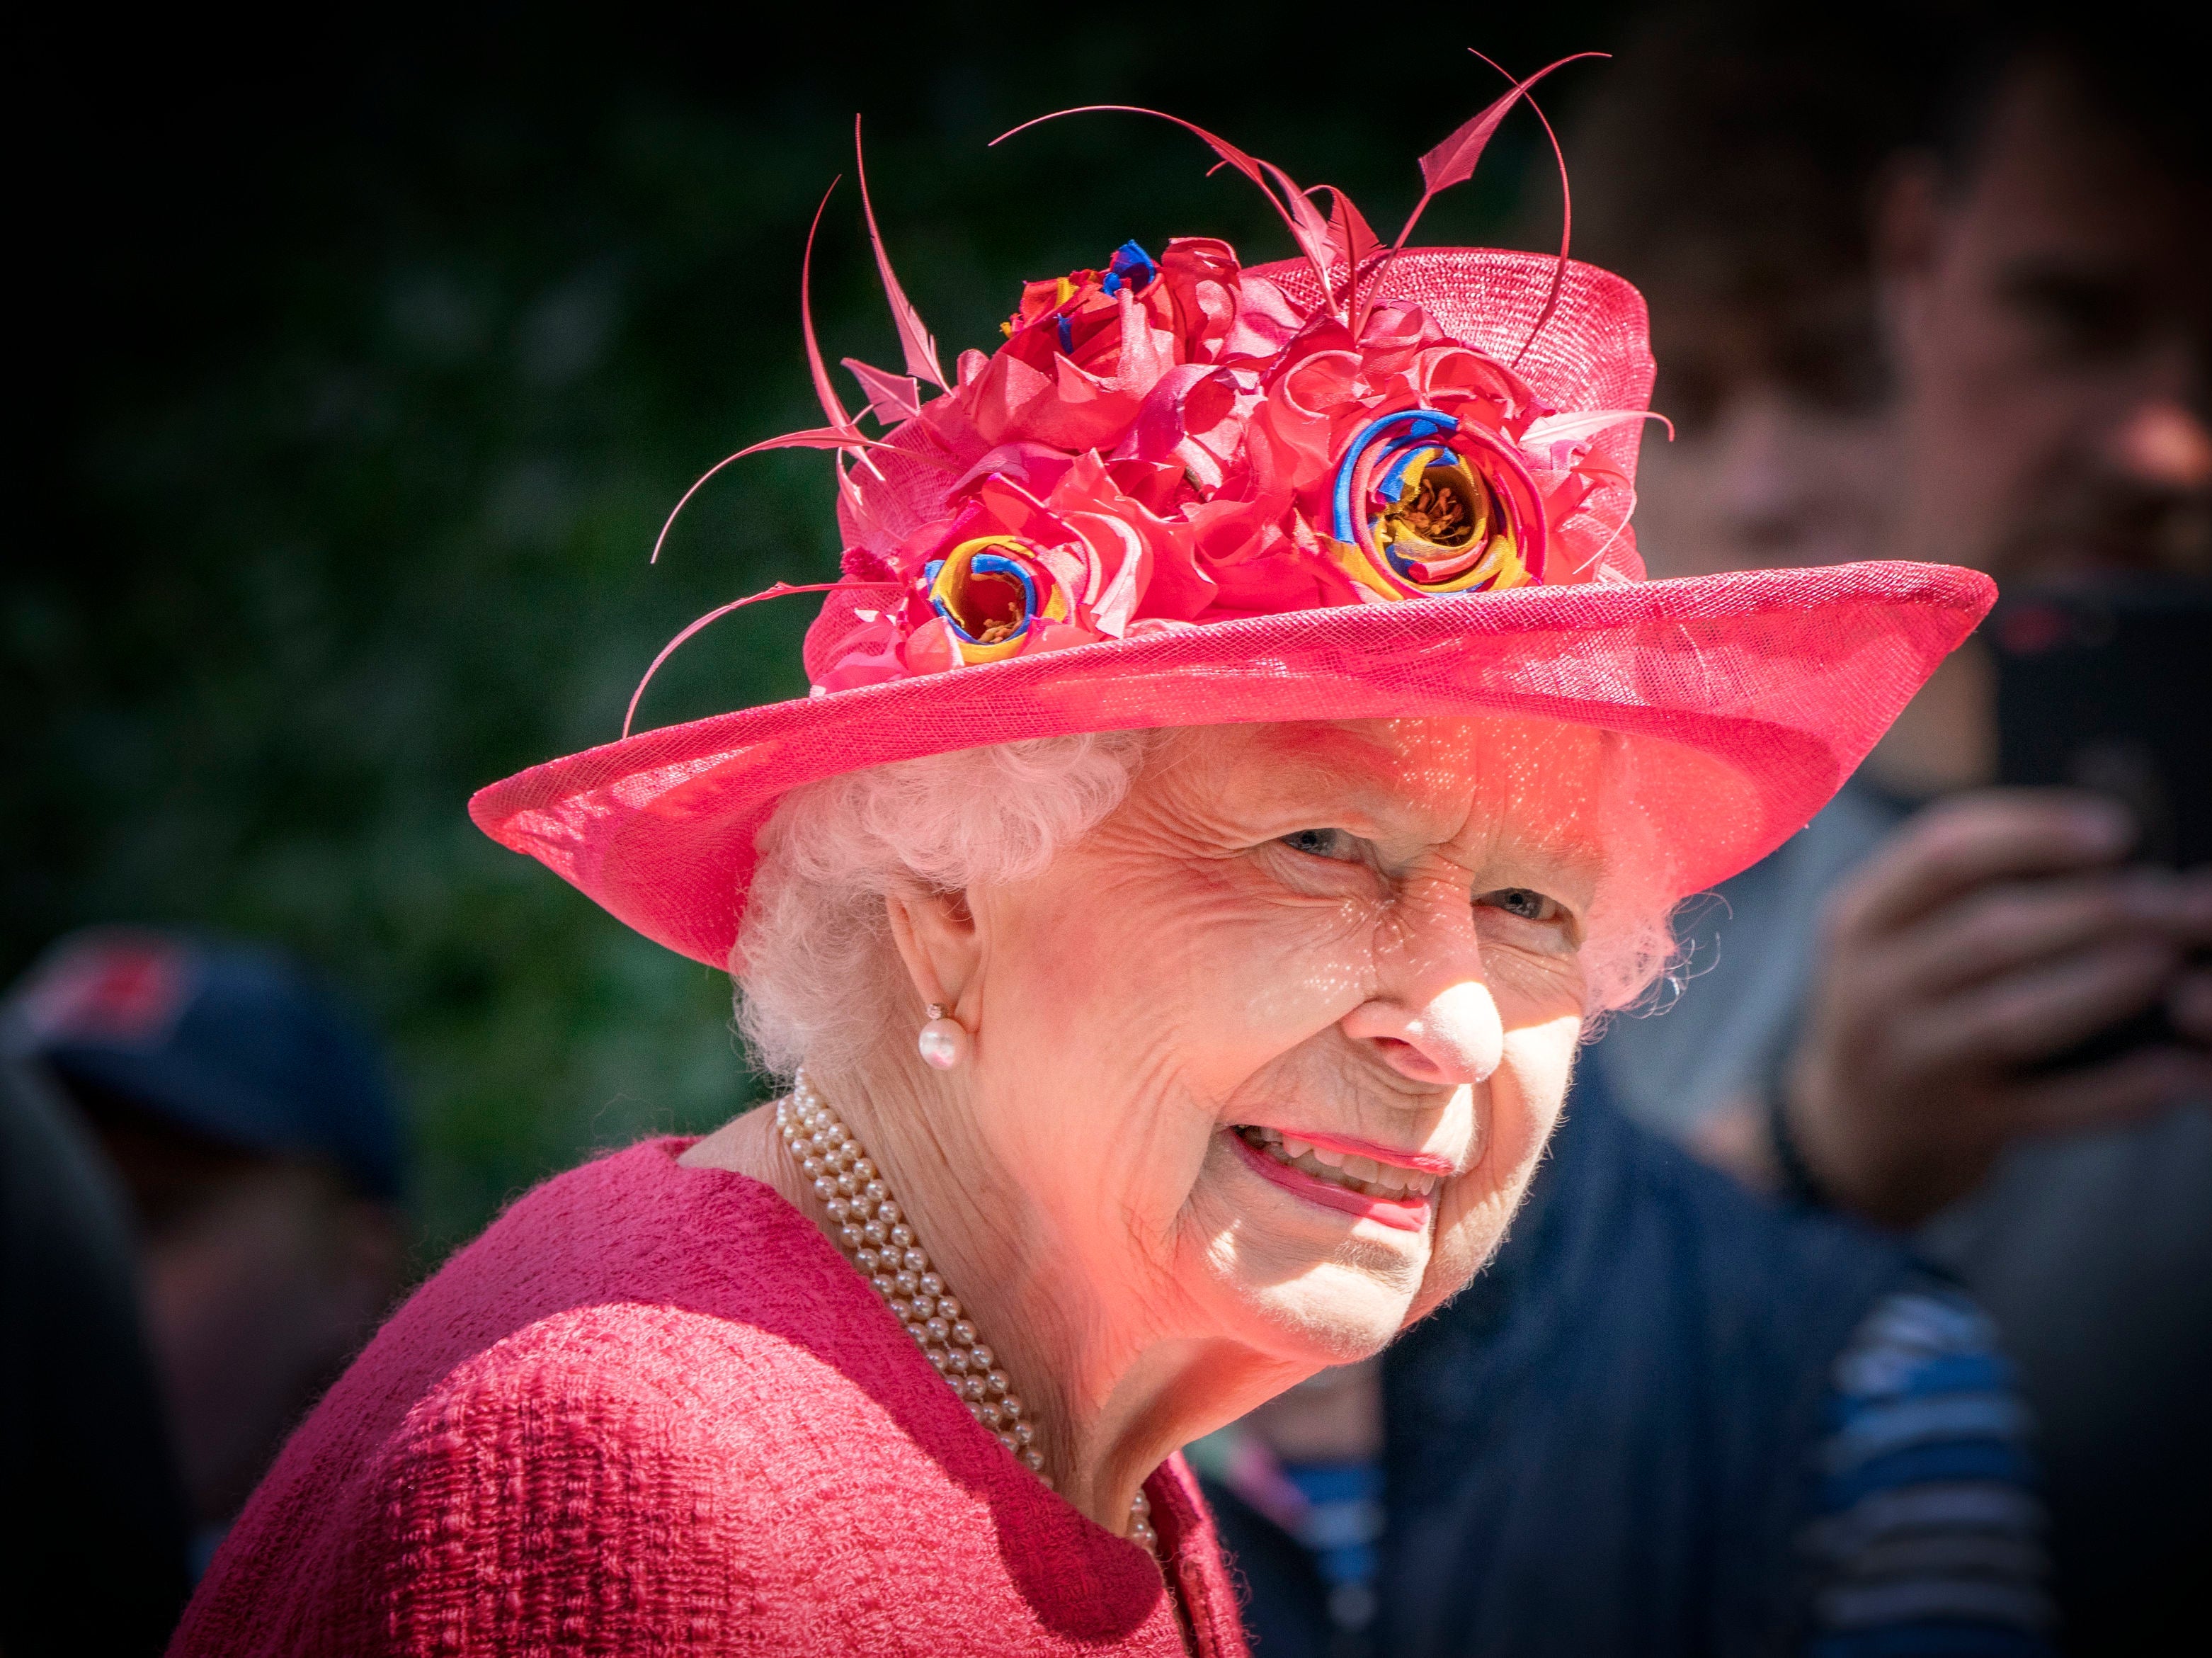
1243 758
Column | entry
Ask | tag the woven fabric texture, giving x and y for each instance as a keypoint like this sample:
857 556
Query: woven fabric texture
652 1411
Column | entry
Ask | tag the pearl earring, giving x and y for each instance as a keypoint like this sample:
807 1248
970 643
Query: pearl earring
942 1042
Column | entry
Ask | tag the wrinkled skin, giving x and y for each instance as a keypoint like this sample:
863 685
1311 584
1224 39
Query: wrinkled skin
2051 330
1372 931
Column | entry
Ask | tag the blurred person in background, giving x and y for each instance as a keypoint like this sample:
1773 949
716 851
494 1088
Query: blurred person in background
1728 157
1670 1418
1733 167
251 1134
1871 1022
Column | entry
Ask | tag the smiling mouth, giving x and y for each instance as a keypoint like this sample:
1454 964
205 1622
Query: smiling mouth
1360 1176
1331 1177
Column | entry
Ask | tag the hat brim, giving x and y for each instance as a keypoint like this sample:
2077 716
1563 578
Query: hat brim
1747 697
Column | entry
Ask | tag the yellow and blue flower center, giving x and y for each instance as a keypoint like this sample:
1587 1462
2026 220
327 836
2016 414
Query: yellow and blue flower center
1415 511
989 593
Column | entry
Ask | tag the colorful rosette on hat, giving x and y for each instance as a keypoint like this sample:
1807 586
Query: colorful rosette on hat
990 595
1421 507
1006 577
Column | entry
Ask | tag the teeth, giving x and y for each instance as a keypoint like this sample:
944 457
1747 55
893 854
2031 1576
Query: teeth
1362 1174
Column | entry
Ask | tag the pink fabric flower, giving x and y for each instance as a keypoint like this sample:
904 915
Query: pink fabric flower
1161 442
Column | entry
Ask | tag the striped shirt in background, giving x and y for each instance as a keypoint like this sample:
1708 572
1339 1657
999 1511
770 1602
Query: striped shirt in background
1926 1537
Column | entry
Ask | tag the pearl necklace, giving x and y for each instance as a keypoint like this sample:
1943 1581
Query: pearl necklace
872 1231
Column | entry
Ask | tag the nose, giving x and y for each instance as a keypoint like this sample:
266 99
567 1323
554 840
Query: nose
1432 1017
1452 1037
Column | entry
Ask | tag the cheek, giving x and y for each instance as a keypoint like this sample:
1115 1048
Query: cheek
1542 1058
1540 1061
1161 1003
1157 1003
1532 989
1522 1108
1990 369
1190 983
210 1295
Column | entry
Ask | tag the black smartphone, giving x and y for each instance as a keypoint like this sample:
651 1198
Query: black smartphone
2108 687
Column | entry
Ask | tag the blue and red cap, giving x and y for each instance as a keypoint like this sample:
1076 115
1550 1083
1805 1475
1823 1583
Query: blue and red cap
232 1042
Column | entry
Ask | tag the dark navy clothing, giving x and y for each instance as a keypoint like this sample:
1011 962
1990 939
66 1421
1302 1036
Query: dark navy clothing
98 1533
1607 1445
2092 1251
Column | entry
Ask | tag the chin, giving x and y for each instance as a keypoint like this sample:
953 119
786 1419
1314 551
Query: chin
1311 1310
1306 1280
1335 1315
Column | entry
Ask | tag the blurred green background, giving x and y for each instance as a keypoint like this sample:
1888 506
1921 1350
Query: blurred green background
363 359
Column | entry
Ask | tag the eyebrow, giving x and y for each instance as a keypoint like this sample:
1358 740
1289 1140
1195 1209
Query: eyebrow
1328 753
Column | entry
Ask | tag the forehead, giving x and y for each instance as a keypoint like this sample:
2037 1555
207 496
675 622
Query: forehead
1433 779
2052 170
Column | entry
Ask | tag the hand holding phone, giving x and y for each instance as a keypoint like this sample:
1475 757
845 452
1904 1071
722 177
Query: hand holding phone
1993 933
2035 958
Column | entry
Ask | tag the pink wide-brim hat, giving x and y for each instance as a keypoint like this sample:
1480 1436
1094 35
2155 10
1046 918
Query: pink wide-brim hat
1746 699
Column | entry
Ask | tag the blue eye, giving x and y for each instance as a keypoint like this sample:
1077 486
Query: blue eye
1323 844
1521 901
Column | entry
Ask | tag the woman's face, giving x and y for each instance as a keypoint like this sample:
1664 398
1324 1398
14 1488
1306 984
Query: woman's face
1291 949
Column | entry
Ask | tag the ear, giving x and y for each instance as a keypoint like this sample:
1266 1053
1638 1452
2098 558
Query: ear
936 937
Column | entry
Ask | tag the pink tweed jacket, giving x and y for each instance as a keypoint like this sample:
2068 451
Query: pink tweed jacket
652 1411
